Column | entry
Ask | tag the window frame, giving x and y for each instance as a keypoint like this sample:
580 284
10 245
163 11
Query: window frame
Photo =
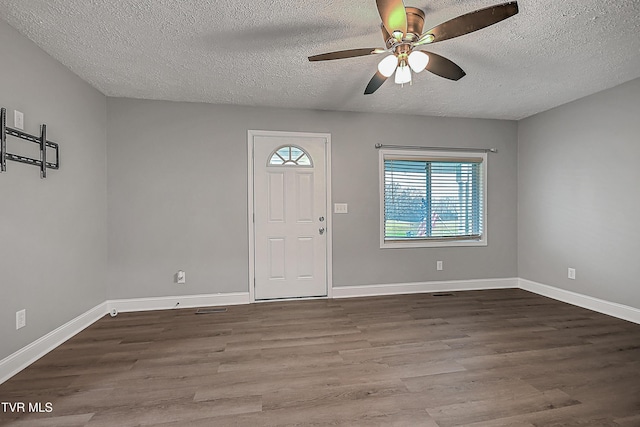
418 155
293 163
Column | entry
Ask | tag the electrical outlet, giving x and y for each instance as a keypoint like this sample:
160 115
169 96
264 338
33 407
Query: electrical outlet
571 273
21 318
439 265
181 277
18 120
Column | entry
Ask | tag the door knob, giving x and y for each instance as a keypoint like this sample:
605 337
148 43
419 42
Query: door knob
321 230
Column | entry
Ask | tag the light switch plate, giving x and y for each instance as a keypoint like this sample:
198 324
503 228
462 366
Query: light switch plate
340 208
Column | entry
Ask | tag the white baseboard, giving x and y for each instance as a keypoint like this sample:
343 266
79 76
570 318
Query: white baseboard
16 362
177 302
620 311
422 287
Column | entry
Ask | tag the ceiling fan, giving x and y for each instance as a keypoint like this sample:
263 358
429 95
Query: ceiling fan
404 39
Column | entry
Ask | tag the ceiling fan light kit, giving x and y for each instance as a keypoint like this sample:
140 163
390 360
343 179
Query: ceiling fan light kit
403 74
418 61
402 31
388 65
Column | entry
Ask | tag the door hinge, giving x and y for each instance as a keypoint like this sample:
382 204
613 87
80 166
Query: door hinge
254 218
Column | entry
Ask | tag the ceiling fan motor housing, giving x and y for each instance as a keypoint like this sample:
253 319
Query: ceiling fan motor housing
415 23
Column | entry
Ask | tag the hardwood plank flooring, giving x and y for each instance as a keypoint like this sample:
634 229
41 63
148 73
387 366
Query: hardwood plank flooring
479 358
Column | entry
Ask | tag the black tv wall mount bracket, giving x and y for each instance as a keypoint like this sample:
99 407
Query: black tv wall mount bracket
42 162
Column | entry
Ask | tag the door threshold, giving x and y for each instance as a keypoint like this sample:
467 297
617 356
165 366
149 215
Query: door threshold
292 299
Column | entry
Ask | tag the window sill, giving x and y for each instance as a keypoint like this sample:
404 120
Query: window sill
398 244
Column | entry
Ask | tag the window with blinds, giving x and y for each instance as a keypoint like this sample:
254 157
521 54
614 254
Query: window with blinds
432 199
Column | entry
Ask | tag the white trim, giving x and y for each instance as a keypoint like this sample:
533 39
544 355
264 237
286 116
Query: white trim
16 362
426 243
267 301
250 216
423 287
177 302
329 215
251 134
614 309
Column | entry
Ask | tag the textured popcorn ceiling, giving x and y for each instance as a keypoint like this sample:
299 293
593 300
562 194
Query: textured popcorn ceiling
254 52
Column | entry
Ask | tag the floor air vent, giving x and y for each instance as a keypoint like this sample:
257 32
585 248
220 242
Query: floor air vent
211 310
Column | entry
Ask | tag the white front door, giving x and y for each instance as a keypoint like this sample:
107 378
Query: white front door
289 201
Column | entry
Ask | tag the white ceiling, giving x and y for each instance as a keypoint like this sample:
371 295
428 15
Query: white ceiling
254 52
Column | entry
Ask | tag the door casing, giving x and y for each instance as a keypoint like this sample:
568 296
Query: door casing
251 134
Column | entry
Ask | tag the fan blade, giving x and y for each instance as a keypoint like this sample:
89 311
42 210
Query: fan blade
469 23
393 15
443 67
376 81
341 54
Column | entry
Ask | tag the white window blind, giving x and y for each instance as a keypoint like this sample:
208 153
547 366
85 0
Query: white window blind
432 198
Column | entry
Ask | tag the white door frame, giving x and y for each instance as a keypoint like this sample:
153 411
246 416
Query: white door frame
251 134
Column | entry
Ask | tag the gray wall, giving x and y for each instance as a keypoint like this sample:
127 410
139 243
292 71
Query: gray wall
562 193
579 195
177 196
52 231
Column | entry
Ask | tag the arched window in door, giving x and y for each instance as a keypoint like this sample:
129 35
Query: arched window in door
290 155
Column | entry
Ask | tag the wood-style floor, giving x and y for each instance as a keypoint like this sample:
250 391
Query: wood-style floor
481 358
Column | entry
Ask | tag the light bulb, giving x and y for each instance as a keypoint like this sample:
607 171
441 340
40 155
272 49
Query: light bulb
418 61
427 38
397 34
403 74
388 65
